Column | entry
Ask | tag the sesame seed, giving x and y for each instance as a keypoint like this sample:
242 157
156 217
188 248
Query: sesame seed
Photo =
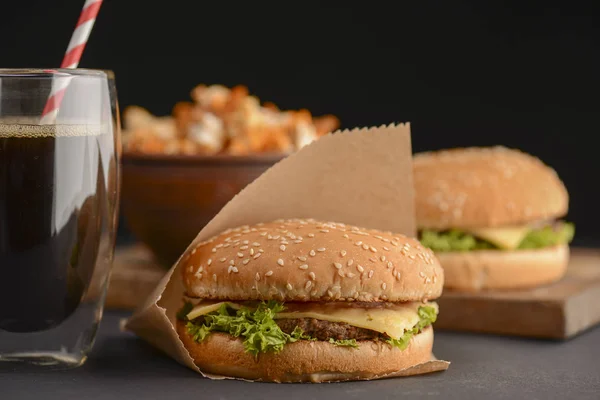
263 234
359 268
276 237
371 272
321 249
302 258
214 250
386 248
280 262
343 253
312 253
256 255
350 262
240 255
346 235
372 259
390 264
230 269
215 277
377 237
337 265
312 275
231 262
245 242
269 237
255 244
421 274
297 241
308 285
349 274
329 293
358 243
284 242
251 252
365 246
382 258
246 261
246 231
268 273
383 285
282 247
303 266
257 276
427 280
227 245
234 269
200 268
244 248
341 272
289 286
394 243
193 251
412 256
373 249
209 261
261 251
311 235
222 259
324 230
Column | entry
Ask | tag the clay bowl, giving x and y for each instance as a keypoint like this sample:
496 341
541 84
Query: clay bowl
166 200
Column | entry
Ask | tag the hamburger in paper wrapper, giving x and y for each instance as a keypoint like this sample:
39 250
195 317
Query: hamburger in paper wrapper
310 274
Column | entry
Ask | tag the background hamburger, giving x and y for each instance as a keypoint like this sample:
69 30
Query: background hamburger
302 300
492 217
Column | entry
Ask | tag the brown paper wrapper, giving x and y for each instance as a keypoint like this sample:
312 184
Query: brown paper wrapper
361 177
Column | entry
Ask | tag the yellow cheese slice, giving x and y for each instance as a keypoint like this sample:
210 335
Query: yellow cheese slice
508 238
206 307
392 319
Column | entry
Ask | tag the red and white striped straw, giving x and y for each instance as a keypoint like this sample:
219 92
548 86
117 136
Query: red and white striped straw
72 57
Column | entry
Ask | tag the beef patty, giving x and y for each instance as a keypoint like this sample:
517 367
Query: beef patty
325 330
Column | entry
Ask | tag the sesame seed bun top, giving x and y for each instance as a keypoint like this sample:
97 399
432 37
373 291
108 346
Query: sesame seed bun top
308 260
485 187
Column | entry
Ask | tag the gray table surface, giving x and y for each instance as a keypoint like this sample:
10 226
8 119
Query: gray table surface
122 366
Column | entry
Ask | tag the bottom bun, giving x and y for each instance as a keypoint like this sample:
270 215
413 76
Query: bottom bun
305 361
499 269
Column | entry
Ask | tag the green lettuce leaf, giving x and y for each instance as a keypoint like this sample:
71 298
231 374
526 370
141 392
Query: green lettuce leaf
427 316
257 327
548 236
457 240
452 240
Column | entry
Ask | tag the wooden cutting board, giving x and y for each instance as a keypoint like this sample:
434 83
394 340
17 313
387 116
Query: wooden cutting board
134 276
557 311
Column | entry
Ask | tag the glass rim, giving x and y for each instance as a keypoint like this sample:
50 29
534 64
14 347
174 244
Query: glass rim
42 73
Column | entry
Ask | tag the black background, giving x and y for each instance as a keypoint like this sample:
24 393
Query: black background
523 74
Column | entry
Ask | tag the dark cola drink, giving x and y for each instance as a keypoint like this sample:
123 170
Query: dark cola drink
53 211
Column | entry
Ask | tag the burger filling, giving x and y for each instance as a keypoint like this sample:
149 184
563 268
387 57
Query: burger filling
269 326
509 238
